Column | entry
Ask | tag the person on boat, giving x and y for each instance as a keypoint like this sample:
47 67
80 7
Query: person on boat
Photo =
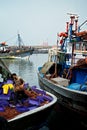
19 90
14 77
22 92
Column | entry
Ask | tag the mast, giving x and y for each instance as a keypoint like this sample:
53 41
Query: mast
73 21
19 41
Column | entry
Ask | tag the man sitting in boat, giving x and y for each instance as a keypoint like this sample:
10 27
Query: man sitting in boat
17 86
22 90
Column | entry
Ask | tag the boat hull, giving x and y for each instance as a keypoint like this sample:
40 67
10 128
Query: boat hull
17 54
71 99
32 119
15 57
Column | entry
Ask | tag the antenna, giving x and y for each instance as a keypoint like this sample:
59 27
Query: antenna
73 15
83 23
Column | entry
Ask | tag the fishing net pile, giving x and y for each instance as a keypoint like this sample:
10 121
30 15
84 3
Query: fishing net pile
14 101
81 63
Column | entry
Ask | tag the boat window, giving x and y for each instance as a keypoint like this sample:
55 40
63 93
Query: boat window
77 47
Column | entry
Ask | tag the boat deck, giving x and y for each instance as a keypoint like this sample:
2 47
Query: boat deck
61 81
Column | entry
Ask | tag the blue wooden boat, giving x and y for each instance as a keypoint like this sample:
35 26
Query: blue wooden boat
72 93
64 74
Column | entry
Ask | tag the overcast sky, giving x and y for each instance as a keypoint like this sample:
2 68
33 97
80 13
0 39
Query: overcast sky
37 21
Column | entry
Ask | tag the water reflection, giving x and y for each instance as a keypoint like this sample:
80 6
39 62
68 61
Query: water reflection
22 68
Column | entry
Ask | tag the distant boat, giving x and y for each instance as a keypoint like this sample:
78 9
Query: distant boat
28 112
15 52
65 73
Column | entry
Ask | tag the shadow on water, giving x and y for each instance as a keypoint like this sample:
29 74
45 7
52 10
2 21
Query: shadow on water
62 118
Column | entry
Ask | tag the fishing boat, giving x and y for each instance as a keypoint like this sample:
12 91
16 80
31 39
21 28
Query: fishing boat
15 52
65 74
73 40
26 109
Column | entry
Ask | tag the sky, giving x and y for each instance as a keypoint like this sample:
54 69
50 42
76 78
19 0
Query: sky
37 21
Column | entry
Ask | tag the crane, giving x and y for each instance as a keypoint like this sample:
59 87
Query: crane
81 25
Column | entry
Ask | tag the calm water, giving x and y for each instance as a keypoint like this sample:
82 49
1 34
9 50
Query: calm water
27 69
59 118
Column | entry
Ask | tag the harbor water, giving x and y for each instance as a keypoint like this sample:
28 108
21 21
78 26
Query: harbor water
60 118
